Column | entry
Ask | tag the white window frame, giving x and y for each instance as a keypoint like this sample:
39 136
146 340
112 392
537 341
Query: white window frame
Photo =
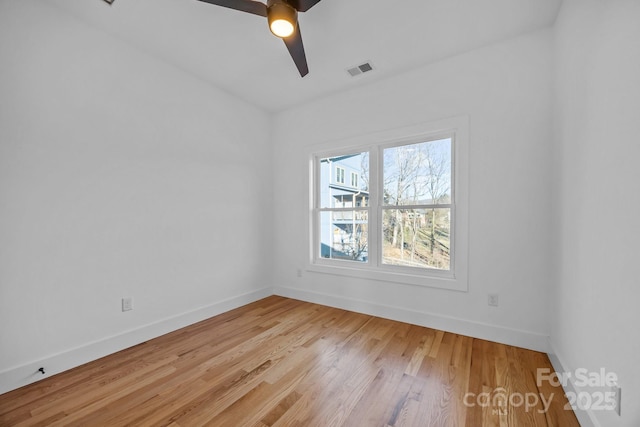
354 179
340 172
454 279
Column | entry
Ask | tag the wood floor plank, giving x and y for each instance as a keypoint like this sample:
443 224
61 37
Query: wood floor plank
368 410
283 362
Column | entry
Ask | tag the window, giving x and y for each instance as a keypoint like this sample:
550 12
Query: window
403 218
344 212
416 204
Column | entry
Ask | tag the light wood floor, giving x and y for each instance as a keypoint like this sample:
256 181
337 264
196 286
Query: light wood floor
282 362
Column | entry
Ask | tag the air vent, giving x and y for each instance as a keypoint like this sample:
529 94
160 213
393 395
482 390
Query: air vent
360 69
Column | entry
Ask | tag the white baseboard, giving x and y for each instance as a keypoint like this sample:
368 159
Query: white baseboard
585 418
514 337
28 373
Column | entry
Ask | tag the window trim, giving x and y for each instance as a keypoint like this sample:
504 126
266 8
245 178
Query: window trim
454 279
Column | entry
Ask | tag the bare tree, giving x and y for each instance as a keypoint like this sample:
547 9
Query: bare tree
415 175
437 186
364 171
402 170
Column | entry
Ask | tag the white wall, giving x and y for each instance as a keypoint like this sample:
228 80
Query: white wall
505 90
598 150
119 176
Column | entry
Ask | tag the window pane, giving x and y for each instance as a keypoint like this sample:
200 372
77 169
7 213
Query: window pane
418 173
344 235
335 190
416 237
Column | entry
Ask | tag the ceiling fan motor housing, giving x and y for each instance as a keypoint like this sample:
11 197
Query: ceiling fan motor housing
281 10
273 2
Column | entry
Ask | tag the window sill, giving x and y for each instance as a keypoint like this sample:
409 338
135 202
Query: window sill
423 280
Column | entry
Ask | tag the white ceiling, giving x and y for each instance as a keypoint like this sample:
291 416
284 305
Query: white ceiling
235 51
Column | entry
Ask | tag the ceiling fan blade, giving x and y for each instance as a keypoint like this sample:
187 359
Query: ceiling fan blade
296 49
303 5
250 6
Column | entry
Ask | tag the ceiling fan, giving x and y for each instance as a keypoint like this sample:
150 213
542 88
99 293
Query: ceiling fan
282 16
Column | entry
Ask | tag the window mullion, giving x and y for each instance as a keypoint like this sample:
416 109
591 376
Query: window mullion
375 227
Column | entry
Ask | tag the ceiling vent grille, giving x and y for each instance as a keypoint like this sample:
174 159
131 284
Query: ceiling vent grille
360 69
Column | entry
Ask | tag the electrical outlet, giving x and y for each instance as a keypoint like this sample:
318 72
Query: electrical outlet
617 397
127 304
493 300
299 272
